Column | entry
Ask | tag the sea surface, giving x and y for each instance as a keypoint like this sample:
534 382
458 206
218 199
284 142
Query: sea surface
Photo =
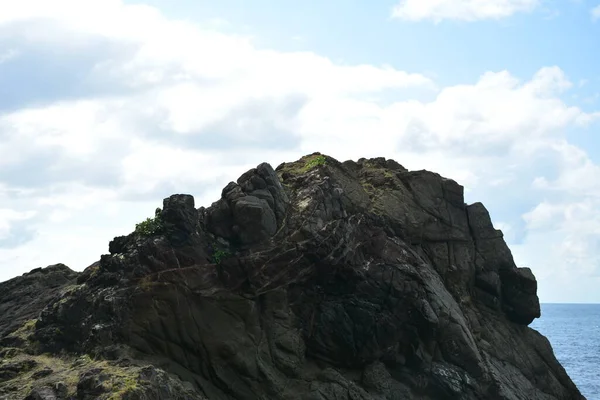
574 332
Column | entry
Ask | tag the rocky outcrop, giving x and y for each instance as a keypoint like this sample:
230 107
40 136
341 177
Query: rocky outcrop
22 298
318 280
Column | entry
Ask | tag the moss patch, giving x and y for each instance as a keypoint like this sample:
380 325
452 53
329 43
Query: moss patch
123 384
25 331
379 183
302 166
313 162
145 283
68 370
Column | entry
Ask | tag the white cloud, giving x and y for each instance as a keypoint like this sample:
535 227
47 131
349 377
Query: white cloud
7 55
172 106
565 233
464 10
7 216
595 13
492 114
75 127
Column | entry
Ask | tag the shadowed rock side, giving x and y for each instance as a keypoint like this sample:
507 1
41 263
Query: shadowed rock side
316 281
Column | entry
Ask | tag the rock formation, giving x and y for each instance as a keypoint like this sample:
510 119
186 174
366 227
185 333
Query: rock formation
319 280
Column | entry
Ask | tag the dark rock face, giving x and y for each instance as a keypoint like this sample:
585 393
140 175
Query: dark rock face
250 210
320 280
22 298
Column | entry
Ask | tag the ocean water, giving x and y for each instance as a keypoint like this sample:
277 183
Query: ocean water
574 332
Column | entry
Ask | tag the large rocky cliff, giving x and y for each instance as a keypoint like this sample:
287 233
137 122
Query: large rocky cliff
319 280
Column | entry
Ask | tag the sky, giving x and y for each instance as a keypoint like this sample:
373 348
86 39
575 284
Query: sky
109 106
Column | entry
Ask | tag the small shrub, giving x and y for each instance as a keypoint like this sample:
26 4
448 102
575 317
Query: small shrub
315 162
151 226
219 255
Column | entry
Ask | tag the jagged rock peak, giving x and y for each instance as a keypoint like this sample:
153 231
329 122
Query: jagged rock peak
315 280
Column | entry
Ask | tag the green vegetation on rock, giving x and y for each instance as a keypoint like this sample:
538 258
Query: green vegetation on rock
301 166
151 226
219 255
314 162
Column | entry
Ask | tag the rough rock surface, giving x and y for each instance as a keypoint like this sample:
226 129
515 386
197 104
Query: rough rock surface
316 281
